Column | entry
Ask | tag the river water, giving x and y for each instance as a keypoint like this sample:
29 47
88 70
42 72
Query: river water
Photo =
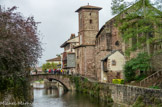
56 97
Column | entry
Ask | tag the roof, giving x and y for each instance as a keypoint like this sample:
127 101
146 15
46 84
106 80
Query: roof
83 46
100 31
64 44
74 40
55 59
69 41
111 54
150 6
88 7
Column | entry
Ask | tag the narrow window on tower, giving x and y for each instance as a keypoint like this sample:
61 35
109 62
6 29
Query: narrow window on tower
90 21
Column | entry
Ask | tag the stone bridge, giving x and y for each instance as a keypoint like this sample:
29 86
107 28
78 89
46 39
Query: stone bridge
63 79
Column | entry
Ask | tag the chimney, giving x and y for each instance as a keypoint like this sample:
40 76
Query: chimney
72 36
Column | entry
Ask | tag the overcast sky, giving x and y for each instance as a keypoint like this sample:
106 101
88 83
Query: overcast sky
58 19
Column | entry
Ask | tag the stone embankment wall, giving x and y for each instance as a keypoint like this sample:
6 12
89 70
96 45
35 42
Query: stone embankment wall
94 89
131 94
121 94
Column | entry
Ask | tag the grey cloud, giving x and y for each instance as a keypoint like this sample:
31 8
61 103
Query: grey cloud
58 19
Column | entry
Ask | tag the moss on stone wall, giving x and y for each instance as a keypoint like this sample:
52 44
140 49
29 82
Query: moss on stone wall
95 89
120 93
152 102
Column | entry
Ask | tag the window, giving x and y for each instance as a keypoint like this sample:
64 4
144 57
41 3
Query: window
105 66
90 21
77 53
90 14
160 47
118 75
117 43
113 63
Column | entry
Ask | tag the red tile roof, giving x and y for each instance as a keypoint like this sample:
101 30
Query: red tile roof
55 59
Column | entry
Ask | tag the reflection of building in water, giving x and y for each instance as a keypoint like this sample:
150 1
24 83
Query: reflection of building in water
37 85
61 90
53 92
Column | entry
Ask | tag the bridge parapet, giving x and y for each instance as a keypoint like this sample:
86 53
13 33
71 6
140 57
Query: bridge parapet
63 79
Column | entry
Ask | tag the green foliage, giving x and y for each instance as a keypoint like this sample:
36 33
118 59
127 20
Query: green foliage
49 66
76 80
154 87
83 85
140 63
138 21
140 102
85 80
18 86
20 49
118 81
140 77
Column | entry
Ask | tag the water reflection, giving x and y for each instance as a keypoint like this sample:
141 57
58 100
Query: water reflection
56 97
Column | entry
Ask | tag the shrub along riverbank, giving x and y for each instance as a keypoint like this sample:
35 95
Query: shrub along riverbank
15 91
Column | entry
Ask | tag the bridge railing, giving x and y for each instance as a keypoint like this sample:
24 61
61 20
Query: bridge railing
57 73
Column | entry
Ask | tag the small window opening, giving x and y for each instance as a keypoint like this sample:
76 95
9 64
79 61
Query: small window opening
141 72
90 21
90 14
113 62
117 43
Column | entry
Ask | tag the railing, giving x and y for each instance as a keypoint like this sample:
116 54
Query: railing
151 77
56 72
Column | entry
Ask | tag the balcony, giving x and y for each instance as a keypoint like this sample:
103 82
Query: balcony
68 60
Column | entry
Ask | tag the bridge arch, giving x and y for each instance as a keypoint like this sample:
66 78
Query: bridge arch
65 87
63 79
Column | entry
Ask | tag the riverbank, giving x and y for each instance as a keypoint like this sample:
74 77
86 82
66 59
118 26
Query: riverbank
122 94
15 91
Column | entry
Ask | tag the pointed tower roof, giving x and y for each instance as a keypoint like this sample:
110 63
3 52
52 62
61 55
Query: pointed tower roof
88 7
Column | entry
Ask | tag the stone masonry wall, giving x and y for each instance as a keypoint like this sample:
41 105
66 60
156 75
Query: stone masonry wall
101 48
129 95
121 94
85 62
94 89
98 58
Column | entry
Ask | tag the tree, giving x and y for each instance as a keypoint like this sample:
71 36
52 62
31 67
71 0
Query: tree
50 66
20 46
140 63
139 21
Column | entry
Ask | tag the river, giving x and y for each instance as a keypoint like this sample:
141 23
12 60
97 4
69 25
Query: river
56 97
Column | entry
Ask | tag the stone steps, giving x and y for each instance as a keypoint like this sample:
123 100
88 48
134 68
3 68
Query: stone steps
152 80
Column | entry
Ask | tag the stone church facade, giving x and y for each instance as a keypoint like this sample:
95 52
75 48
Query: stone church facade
100 53
107 41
